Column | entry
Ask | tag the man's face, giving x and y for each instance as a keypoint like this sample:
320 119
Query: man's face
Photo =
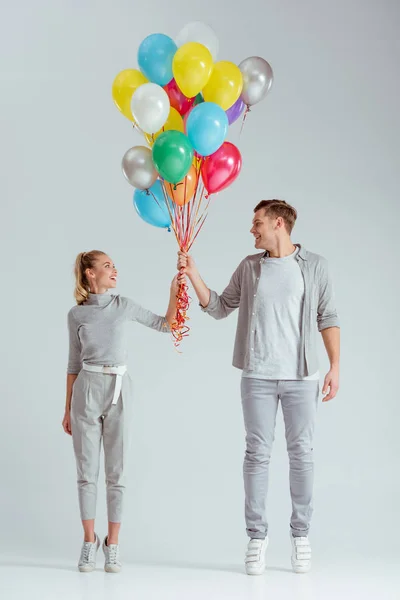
263 230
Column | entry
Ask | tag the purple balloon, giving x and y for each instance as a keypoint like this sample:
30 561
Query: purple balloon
234 112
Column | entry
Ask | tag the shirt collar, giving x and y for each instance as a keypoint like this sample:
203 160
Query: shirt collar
98 299
302 253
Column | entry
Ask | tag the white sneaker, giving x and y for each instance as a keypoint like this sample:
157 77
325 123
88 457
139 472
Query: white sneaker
255 556
301 554
87 561
112 563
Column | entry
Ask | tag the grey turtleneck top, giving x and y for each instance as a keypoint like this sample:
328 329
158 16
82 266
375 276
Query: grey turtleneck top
97 329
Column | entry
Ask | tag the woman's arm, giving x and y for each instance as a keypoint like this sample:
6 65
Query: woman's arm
171 311
74 366
146 317
66 423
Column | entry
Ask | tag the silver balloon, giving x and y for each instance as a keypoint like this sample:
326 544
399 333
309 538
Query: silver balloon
257 79
138 167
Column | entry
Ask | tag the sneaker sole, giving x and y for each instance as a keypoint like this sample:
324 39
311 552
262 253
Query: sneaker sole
300 570
111 569
86 569
259 571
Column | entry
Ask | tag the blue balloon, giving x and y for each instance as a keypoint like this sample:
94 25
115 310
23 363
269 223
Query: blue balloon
155 56
207 126
150 206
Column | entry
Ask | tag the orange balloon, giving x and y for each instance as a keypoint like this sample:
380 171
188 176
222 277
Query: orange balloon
188 185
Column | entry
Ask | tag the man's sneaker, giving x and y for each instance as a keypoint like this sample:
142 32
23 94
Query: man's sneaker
112 563
87 561
255 556
301 554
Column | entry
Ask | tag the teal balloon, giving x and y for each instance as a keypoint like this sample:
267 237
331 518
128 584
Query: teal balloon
151 207
172 155
155 56
207 126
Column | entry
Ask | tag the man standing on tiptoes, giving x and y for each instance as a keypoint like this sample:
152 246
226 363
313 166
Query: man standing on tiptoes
283 294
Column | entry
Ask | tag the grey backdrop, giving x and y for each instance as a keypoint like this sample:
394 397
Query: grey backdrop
326 140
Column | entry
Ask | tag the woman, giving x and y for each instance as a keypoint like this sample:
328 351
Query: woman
99 393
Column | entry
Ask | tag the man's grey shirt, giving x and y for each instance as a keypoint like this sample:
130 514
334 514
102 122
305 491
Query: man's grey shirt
318 308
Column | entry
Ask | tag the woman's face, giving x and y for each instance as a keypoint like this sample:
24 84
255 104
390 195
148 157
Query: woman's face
103 275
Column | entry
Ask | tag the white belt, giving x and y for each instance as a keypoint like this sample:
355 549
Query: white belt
119 372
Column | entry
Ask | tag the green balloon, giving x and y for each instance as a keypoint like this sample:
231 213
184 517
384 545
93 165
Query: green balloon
198 99
172 155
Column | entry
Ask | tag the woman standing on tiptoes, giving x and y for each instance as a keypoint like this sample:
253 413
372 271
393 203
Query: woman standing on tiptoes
99 393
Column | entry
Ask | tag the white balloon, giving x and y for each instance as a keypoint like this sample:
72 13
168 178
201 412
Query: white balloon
150 107
201 33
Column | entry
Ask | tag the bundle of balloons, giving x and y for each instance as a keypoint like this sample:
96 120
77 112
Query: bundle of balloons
182 101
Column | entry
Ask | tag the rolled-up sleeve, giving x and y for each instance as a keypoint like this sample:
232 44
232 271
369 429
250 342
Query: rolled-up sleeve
146 317
74 355
220 307
327 314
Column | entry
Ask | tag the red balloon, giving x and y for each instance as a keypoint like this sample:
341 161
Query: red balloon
221 168
177 99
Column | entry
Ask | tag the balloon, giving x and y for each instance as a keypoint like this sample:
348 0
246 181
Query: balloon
138 167
177 99
150 107
151 207
224 85
192 66
185 118
201 33
221 168
257 79
197 160
172 155
174 121
184 189
234 112
155 58
124 85
198 99
207 126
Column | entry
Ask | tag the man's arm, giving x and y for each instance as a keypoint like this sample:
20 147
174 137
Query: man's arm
217 306
328 325
331 337
202 291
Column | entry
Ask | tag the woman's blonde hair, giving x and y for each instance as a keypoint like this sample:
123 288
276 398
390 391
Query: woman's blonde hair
84 260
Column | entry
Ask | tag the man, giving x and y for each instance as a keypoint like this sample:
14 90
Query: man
283 294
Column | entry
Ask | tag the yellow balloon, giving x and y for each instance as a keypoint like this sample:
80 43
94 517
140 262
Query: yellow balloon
174 121
124 85
192 66
225 84
197 162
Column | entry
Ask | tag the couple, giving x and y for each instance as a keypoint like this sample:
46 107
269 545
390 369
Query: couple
283 293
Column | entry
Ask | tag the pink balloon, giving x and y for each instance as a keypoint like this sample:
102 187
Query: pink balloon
177 99
221 168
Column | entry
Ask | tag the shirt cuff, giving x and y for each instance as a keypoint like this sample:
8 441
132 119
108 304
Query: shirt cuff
212 303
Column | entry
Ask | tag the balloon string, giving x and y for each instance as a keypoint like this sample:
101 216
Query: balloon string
187 223
179 329
246 112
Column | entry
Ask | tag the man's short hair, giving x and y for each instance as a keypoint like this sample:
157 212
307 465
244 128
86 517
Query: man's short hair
279 208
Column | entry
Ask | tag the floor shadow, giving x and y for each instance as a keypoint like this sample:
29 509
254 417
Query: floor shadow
226 568
31 565
237 569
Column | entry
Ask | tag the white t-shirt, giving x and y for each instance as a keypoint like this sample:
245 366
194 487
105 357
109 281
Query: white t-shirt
279 305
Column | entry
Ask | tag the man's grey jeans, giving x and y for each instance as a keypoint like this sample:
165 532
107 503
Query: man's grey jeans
299 400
